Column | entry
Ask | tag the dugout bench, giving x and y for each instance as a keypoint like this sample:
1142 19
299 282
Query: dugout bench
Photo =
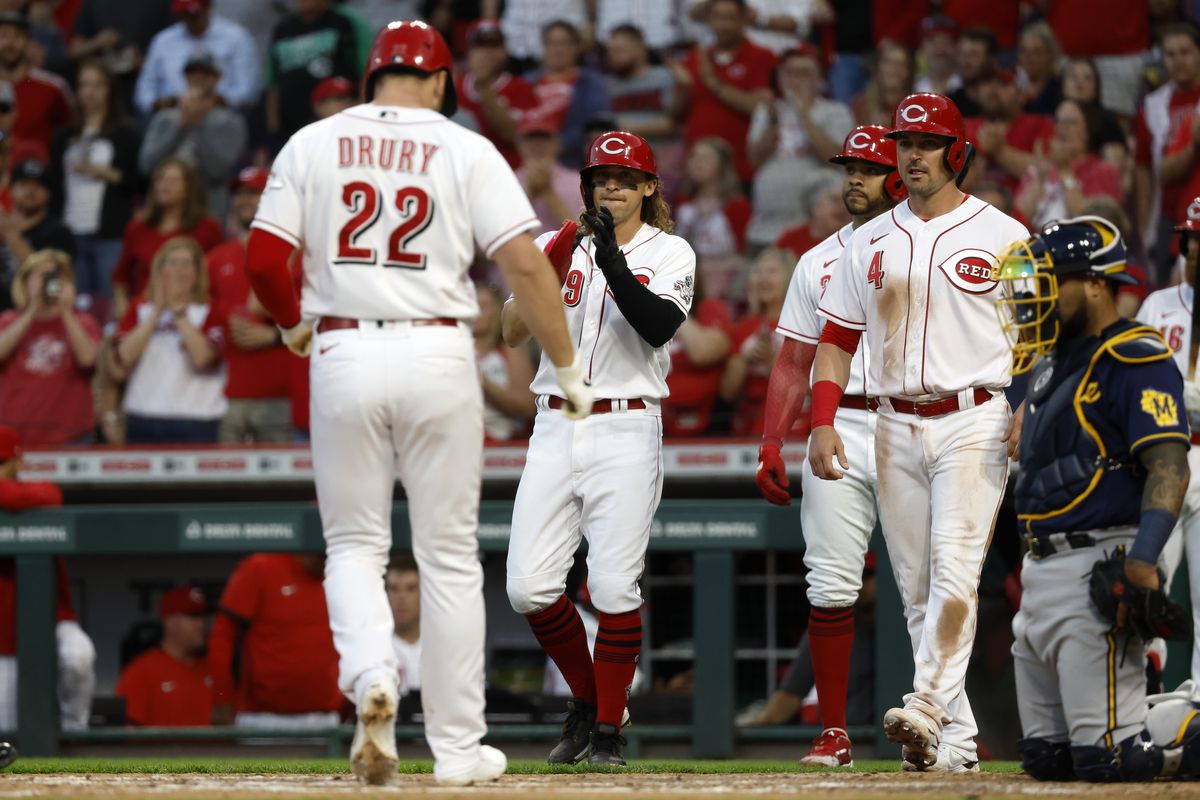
712 531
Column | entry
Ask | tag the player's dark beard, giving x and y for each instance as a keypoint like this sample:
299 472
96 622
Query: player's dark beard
1072 327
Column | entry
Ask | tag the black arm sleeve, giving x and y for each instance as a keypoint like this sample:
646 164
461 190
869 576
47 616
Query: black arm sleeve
654 318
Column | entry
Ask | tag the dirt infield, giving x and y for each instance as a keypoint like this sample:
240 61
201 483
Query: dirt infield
586 786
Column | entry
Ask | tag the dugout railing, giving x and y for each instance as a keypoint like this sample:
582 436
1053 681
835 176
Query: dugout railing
713 531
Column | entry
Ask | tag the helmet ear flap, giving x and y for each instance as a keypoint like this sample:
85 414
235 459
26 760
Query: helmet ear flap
894 186
956 156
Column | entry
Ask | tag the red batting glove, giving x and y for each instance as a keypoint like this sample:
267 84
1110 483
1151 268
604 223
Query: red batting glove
772 477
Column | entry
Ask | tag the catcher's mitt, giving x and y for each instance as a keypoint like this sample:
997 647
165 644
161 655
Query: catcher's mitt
1151 613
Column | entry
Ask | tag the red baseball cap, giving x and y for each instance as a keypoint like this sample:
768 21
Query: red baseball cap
183 600
337 86
186 8
534 123
250 178
484 32
10 443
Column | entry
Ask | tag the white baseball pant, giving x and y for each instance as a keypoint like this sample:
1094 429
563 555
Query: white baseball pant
941 480
404 400
76 679
838 516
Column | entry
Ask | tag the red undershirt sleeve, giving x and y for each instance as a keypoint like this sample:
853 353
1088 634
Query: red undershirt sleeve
267 257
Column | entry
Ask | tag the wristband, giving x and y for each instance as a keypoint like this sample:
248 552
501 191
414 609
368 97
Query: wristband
1153 531
826 395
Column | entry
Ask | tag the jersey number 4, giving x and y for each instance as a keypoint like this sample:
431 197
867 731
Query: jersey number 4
363 201
875 271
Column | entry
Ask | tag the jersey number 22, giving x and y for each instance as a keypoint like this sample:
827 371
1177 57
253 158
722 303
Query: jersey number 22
363 201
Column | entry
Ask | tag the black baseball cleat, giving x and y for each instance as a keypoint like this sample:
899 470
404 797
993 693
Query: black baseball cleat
8 754
607 742
574 745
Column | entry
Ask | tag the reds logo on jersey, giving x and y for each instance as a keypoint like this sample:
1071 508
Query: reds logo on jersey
970 271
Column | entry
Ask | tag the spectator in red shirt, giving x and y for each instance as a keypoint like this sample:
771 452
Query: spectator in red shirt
259 378
168 349
176 206
169 685
76 653
504 372
570 95
698 354
273 624
720 86
487 91
44 102
333 95
1038 59
1063 176
1160 177
976 53
1112 32
1005 136
891 81
714 214
755 342
828 215
47 354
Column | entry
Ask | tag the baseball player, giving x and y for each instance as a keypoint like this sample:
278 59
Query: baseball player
1103 475
918 281
1170 311
628 289
837 516
388 200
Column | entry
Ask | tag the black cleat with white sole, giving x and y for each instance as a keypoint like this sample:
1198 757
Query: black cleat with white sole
607 742
575 742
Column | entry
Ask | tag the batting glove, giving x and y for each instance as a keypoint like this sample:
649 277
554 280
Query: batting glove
772 476
576 388
298 338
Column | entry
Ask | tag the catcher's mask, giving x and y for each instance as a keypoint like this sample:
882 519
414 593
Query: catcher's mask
1028 273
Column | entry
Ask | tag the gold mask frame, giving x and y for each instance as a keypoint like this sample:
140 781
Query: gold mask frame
1028 303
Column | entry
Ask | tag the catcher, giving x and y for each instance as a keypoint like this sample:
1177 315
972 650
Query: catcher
1103 474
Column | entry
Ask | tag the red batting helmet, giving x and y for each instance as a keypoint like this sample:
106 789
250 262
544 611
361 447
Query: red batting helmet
871 143
411 45
1191 221
926 112
616 149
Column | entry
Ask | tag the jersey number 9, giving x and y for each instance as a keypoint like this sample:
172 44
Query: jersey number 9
362 200
573 287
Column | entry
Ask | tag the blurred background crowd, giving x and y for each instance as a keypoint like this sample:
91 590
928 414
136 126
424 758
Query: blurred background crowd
136 136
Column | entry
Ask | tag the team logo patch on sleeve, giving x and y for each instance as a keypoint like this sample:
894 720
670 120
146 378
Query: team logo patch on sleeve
970 271
1161 407
686 288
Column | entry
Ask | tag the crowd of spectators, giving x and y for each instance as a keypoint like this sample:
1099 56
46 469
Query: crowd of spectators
135 136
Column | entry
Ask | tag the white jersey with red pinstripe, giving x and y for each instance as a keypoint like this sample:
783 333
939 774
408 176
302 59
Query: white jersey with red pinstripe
799 319
923 293
618 362
390 204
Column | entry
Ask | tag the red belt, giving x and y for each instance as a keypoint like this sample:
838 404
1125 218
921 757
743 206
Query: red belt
930 408
599 406
855 401
342 323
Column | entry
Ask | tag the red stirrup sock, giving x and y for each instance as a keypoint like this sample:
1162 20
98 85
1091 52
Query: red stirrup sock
559 630
830 637
618 645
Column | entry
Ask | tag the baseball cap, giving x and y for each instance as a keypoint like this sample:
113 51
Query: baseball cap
250 178
203 61
337 86
10 443
183 600
999 74
31 169
18 18
186 8
534 123
484 32
938 23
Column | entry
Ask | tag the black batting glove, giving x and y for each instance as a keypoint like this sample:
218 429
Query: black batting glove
608 254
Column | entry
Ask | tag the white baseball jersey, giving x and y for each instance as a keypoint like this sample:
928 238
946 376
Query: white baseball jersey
388 203
799 319
923 292
1170 310
616 359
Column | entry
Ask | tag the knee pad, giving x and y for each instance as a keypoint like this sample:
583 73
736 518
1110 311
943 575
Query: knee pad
1136 758
614 594
1173 725
1044 760
531 595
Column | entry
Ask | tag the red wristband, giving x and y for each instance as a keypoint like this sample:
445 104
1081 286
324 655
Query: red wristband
826 395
